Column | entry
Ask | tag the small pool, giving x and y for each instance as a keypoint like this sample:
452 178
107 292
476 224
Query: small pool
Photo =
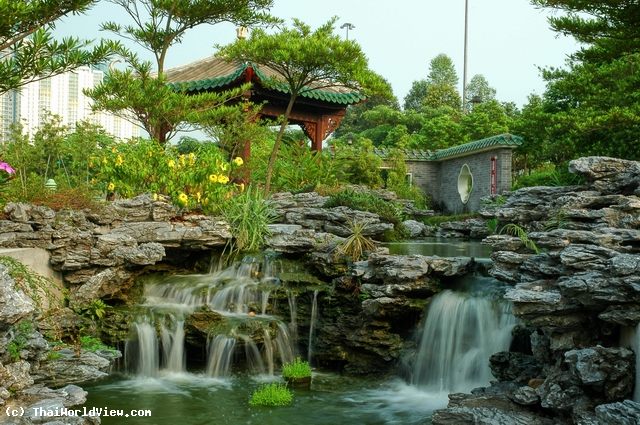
442 247
192 399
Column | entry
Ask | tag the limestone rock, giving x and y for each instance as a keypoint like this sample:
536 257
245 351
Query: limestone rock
525 396
609 175
107 283
16 376
626 412
14 304
610 370
70 369
415 228
290 238
516 367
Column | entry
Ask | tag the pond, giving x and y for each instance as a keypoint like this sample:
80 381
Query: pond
193 399
443 247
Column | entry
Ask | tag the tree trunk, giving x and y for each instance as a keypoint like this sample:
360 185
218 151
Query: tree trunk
278 142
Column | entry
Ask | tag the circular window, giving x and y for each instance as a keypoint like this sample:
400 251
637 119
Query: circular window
465 183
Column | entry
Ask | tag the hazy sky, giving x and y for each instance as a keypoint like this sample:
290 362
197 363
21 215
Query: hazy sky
508 39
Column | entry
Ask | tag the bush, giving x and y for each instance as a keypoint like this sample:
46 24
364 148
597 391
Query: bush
549 175
93 344
273 394
366 201
296 369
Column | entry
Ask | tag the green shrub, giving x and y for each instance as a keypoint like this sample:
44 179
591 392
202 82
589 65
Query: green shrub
549 175
273 394
19 342
296 369
366 201
437 220
249 215
93 344
357 243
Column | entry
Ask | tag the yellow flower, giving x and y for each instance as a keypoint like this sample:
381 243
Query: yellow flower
238 161
110 187
213 178
223 179
119 160
192 158
113 149
182 160
241 187
183 198
171 163
155 196
198 196
224 166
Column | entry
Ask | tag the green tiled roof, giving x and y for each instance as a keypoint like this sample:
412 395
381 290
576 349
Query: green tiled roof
502 140
212 73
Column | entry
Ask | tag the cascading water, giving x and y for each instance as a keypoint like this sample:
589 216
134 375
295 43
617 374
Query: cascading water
631 338
240 294
312 324
461 331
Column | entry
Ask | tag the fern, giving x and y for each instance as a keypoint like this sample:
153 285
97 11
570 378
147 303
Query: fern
517 231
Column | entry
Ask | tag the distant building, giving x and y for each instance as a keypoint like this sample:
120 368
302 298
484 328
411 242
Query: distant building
60 95
458 178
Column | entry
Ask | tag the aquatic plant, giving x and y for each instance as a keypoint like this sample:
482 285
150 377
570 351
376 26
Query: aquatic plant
298 368
274 394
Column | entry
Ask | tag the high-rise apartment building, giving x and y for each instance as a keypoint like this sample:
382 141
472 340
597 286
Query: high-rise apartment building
60 95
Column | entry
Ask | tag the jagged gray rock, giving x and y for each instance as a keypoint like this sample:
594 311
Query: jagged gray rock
626 412
14 304
609 175
71 369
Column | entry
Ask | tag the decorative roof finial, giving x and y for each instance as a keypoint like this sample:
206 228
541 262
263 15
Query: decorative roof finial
242 32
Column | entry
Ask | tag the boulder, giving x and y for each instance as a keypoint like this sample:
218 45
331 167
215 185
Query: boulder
71 369
609 175
515 367
607 370
414 228
14 303
626 412
16 376
107 284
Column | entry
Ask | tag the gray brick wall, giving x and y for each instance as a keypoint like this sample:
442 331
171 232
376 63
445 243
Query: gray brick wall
439 179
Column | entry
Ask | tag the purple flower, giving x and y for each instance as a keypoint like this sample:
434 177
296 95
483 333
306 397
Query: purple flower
6 167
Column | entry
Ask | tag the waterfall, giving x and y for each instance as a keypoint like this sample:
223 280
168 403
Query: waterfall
460 333
312 324
293 324
240 293
220 352
173 346
146 344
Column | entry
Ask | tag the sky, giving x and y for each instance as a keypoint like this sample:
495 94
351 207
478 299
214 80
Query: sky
508 40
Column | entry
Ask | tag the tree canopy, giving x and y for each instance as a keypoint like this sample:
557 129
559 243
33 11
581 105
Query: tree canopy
28 50
305 60
140 93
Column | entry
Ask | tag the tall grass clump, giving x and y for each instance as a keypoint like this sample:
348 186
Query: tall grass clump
249 215
273 394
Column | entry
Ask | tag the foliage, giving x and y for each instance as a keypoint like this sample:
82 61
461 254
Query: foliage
436 220
358 162
366 201
356 244
398 183
274 394
492 225
298 368
548 175
438 90
199 179
28 50
478 91
94 311
297 169
142 95
517 231
591 107
20 338
54 151
304 60
36 286
93 344
249 215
